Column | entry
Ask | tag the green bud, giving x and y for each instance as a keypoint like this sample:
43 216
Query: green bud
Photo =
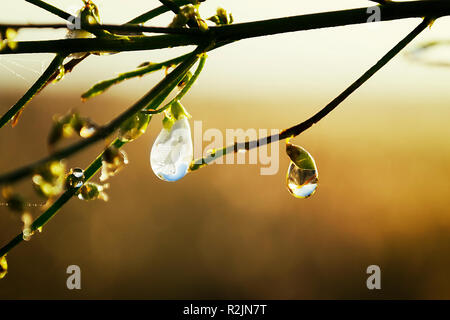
178 111
167 122
48 180
221 17
3 267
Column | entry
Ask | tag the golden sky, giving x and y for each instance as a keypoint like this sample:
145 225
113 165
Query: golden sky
288 65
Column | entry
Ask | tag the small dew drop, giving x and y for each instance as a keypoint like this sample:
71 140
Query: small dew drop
113 160
87 131
75 178
134 127
27 220
92 191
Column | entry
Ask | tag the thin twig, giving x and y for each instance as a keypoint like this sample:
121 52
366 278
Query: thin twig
48 7
88 173
301 127
107 130
35 88
66 196
157 11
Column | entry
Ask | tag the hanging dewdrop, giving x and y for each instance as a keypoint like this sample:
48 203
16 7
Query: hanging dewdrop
134 127
92 191
172 151
113 160
302 175
75 178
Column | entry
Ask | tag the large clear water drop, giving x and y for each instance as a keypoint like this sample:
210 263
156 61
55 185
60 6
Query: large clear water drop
172 151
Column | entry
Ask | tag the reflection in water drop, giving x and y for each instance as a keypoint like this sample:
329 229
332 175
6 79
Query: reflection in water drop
75 178
301 183
302 175
172 151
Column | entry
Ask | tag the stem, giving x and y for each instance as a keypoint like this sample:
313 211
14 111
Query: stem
393 11
107 130
48 7
176 9
35 88
301 127
185 89
90 171
106 84
51 72
123 29
156 12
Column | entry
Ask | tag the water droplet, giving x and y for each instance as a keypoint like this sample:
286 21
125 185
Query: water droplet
134 127
302 175
172 151
27 220
75 178
113 160
87 131
92 191
3 267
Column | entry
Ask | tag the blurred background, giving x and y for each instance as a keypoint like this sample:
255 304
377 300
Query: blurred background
225 231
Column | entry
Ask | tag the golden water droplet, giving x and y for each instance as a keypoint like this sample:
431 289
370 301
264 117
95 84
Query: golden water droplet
134 127
113 160
87 131
27 220
75 178
302 176
92 191
3 267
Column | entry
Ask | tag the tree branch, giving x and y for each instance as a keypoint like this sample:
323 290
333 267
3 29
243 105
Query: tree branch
394 11
301 127
35 88
107 130
48 7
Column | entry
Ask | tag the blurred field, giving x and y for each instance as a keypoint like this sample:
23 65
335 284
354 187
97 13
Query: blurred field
228 232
